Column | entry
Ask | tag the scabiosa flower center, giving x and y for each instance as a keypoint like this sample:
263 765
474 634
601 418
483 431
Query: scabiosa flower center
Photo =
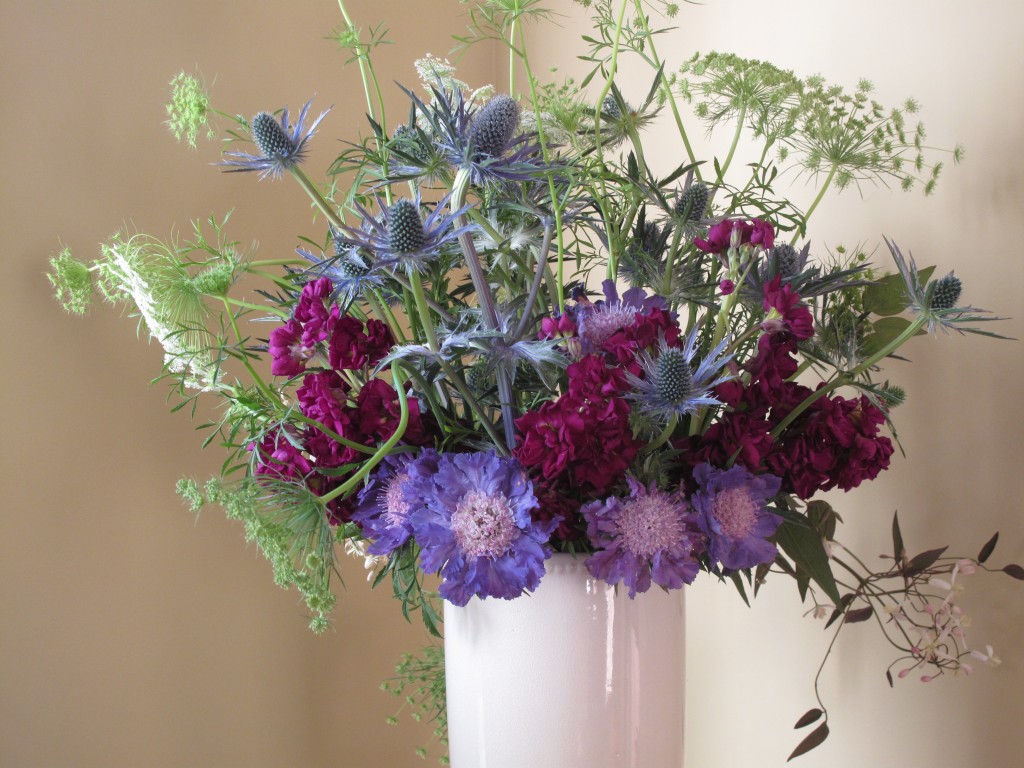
484 524
270 137
405 228
494 125
602 322
392 501
650 524
947 292
735 511
675 378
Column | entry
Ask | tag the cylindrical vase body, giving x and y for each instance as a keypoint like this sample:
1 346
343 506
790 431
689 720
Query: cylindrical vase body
575 675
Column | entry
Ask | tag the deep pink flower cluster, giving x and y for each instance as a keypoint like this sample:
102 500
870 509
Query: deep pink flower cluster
756 232
367 417
583 439
317 322
834 443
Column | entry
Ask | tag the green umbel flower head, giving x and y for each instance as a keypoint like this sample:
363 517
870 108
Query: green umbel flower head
72 282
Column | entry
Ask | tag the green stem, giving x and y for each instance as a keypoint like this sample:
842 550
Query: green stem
257 379
332 434
424 313
384 450
821 194
258 307
655 62
735 142
316 197
663 438
473 404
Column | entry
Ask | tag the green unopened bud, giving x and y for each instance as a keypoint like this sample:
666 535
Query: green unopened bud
215 280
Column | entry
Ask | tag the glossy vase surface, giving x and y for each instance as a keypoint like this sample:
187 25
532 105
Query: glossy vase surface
576 675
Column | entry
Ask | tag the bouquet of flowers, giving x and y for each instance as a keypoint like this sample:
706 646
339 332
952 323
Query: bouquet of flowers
514 335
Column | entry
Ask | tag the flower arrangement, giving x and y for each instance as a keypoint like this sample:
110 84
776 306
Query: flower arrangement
517 335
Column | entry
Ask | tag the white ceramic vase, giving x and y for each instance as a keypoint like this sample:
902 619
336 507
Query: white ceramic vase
576 675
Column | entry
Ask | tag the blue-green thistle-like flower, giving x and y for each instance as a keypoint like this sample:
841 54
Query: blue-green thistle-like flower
481 140
936 300
671 386
281 144
692 202
401 236
493 126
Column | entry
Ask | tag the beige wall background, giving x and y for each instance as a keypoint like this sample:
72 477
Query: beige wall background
133 634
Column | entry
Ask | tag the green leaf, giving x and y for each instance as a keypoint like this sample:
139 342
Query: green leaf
888 295
885 331
807 550
739 586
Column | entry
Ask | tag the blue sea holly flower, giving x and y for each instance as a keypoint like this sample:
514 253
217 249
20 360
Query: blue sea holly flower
401 236
650 536
281 144
733 512
671 386
481 140
474 528
389 497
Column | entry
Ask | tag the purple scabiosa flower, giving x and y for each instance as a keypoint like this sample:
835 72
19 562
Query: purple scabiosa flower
474 527
651 536
401 236
732 508
599 321
670 386
385 503
281 144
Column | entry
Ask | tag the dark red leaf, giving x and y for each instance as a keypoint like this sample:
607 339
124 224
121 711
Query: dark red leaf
812 740
897 539
922 561
1014 570
861 614
888 676
986 551
840 609
811 716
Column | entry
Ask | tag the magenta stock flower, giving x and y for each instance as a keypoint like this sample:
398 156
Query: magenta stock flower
757 233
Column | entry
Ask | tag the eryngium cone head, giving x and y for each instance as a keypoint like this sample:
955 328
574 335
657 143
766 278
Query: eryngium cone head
494 125
271 138
674 379
947 292
692 202
405 228
786 258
